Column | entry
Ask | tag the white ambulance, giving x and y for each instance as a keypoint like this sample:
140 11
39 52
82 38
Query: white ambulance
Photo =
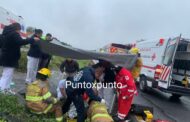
7 17
166 65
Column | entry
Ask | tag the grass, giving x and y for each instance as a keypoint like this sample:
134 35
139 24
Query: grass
23 62
83 63
11 111
56 62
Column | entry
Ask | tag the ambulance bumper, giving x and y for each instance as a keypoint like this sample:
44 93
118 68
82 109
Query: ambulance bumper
177 90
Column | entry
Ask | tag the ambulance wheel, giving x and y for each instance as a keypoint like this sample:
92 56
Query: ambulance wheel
176 96
143 84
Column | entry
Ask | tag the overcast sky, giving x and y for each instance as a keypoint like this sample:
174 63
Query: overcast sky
91 24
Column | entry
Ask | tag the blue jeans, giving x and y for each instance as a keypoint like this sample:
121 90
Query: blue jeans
76 98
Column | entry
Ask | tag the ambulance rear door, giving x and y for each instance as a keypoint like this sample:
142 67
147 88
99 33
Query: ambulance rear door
168 62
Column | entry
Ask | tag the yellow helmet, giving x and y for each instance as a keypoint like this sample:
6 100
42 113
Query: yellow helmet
45 71
134 50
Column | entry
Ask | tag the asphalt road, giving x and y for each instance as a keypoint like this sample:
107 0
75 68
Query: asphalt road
164 107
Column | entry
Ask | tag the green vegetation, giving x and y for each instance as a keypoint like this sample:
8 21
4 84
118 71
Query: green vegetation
12 111
23 62
54 64
83 63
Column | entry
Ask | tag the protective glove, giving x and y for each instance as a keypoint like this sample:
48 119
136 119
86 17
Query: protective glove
103 101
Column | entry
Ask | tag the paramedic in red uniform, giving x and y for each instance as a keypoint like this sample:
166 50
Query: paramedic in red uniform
126 91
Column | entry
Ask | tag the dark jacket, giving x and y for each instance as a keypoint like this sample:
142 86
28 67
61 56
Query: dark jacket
69 66
109 75
87 75
45 55
11 47
35 50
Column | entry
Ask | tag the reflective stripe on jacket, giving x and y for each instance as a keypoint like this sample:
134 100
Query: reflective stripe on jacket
36 93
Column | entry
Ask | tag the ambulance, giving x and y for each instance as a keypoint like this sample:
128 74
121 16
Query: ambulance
166 65
7 17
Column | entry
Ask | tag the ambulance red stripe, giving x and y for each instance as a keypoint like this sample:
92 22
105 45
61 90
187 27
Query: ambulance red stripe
164 70
167 73
149 67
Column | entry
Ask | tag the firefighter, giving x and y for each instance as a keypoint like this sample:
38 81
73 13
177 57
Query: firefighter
39 99
185 82
126 90
138 65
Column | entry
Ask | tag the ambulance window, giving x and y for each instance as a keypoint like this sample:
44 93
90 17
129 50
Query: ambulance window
169 54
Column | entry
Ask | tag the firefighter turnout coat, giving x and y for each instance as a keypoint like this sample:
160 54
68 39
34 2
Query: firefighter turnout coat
136 70
37 95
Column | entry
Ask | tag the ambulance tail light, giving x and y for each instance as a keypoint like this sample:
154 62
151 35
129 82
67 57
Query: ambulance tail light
158 72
